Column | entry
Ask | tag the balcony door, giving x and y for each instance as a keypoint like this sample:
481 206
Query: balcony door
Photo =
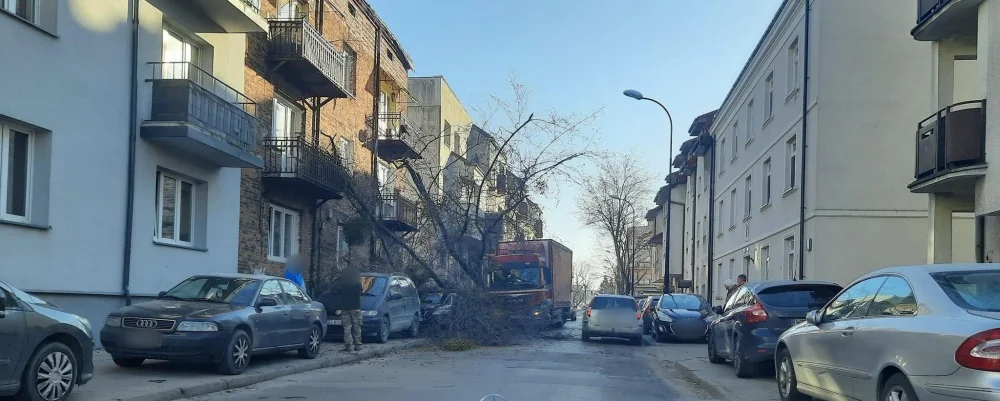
383 111
286 126
180 54
385 188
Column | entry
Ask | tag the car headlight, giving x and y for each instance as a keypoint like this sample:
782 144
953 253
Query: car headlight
665 318
369 313
197 326
113 321
536 312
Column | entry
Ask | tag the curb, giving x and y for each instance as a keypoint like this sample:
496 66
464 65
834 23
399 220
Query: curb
235 382
711 388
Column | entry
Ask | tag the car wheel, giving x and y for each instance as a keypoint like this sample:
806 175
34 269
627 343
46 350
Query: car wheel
414 327
236 357
310 350
897 388
128 362
636 340
787 384
713 356
50 374
383 331
744 369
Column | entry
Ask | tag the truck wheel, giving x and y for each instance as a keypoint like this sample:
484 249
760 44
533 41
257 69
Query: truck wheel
561 319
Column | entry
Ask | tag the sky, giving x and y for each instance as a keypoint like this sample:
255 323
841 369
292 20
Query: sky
577 56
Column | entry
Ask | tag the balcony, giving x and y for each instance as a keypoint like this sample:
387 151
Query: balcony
307 60
395 137
398 213
198 116
942 19
951 149
234 16
301 168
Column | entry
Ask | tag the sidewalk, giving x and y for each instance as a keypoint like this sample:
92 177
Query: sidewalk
721 381
163 381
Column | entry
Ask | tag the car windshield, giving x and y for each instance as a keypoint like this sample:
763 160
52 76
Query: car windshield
373 285
799 296
681 301
975 290
239 291
435 298
614 303
28 298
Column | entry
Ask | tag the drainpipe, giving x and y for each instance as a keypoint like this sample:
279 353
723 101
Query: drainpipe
375 133
133 116
980 239
802 173
711 224
694 220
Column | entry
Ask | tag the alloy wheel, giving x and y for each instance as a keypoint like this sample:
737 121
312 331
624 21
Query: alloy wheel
314 340
896 393
785 377
241 353
54 376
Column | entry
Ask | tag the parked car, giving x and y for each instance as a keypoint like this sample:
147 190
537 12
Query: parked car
389 304
613 316
435 306
223 319
46 351
747 330
901 333
647 306
681 317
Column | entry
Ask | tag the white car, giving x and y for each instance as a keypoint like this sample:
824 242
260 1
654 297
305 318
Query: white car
613 316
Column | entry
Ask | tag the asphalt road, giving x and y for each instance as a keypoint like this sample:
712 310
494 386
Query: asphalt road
559 367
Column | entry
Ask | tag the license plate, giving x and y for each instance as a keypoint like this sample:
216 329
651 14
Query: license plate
333 322
144 339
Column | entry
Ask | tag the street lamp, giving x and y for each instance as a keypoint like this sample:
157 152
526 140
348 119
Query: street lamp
635 245
632 93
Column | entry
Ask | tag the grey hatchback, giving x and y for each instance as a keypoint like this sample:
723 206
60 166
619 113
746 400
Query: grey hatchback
44 351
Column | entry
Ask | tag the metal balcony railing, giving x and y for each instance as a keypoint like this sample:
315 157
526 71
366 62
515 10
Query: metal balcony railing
396 136
927 8
295 38
399 209
184 92
953 137
295 158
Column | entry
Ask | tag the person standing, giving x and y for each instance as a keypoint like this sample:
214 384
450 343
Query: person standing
740 280
293 271
349 288
730 289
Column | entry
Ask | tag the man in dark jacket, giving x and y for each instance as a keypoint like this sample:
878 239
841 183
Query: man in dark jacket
349 288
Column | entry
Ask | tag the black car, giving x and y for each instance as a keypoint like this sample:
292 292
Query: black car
435 306
389 304
222 319
44 351
681 317
755 316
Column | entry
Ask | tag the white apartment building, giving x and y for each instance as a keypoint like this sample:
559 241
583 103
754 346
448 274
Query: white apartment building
694 162
65 124
852 68
670 196
956 125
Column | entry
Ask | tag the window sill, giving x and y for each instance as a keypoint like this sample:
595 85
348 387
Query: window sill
748 142
747 217
766 205
732 227
180 246
791 95
276 259
788 191
29 23
26 225
767 120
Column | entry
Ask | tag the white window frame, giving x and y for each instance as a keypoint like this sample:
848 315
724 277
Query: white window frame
732 208
722 215
293 118
793 66
736 140
732 269
747 265
765 261
791 153
769 97
704 233
765 196
346 149
294 242
5 136
722 153
161 176
789 263
749 124
748 202
10 7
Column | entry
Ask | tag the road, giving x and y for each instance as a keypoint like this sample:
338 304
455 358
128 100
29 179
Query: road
560 367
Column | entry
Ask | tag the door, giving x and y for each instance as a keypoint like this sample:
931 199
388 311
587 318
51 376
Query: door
394 305
271 321
12 336
726 325
299 311
180 57
887 318
383 110
826 352
286 123
412 300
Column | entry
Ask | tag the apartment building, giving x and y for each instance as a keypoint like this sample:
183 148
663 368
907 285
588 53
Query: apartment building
669 196
641 258
325 76
120 168
695 162
955 127
819 197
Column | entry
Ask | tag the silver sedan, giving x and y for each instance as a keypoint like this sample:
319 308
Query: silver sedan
901 333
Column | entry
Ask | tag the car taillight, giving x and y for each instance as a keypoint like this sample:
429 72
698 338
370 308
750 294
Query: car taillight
638 315
981 351
588 312
756 314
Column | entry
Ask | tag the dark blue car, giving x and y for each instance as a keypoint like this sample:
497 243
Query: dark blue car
680 317
755 316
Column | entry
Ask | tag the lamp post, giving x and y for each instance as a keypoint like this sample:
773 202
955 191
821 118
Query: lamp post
670 185
634 245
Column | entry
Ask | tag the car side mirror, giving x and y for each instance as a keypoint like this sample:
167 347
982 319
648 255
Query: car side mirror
267 302
161 294
717 309
814 317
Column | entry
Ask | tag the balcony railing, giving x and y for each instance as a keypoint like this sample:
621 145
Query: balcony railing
307 59
953 137
398 213
395 137
927 8
940 19
303 167
184 93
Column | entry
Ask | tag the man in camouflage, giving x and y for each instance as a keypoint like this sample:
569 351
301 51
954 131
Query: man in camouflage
349 288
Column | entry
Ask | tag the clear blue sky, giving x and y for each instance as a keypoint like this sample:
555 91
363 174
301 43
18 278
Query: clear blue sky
578 56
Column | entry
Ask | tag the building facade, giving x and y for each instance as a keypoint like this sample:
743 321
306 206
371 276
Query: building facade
695 162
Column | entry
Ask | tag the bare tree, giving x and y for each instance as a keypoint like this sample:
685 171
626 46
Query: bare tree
585 281
610 202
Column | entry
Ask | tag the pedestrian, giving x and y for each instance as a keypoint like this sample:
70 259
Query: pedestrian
741 279
348 286
293 270
731 288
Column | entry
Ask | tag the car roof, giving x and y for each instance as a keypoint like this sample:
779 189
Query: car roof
763 285
935 268
239 275
614 296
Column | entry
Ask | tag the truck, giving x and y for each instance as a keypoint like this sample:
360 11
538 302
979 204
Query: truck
533 280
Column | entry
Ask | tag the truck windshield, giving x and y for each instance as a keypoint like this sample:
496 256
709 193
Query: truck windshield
514 278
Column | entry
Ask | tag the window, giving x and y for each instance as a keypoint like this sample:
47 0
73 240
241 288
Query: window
342 246
747 265
732 269
384 179
895 298
271 289
790 167
732 208
768 97
292 10
704 180
749 124
294 293
174 209
975 290
16 150
704 234
458 143
812 296
790 258
736 139
283 234
765 196
736 300
446 134
722 215
9 302
748 199
26 9
765 262
351 65
793 66
287 119
722 156
854 302
346 151
178 51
